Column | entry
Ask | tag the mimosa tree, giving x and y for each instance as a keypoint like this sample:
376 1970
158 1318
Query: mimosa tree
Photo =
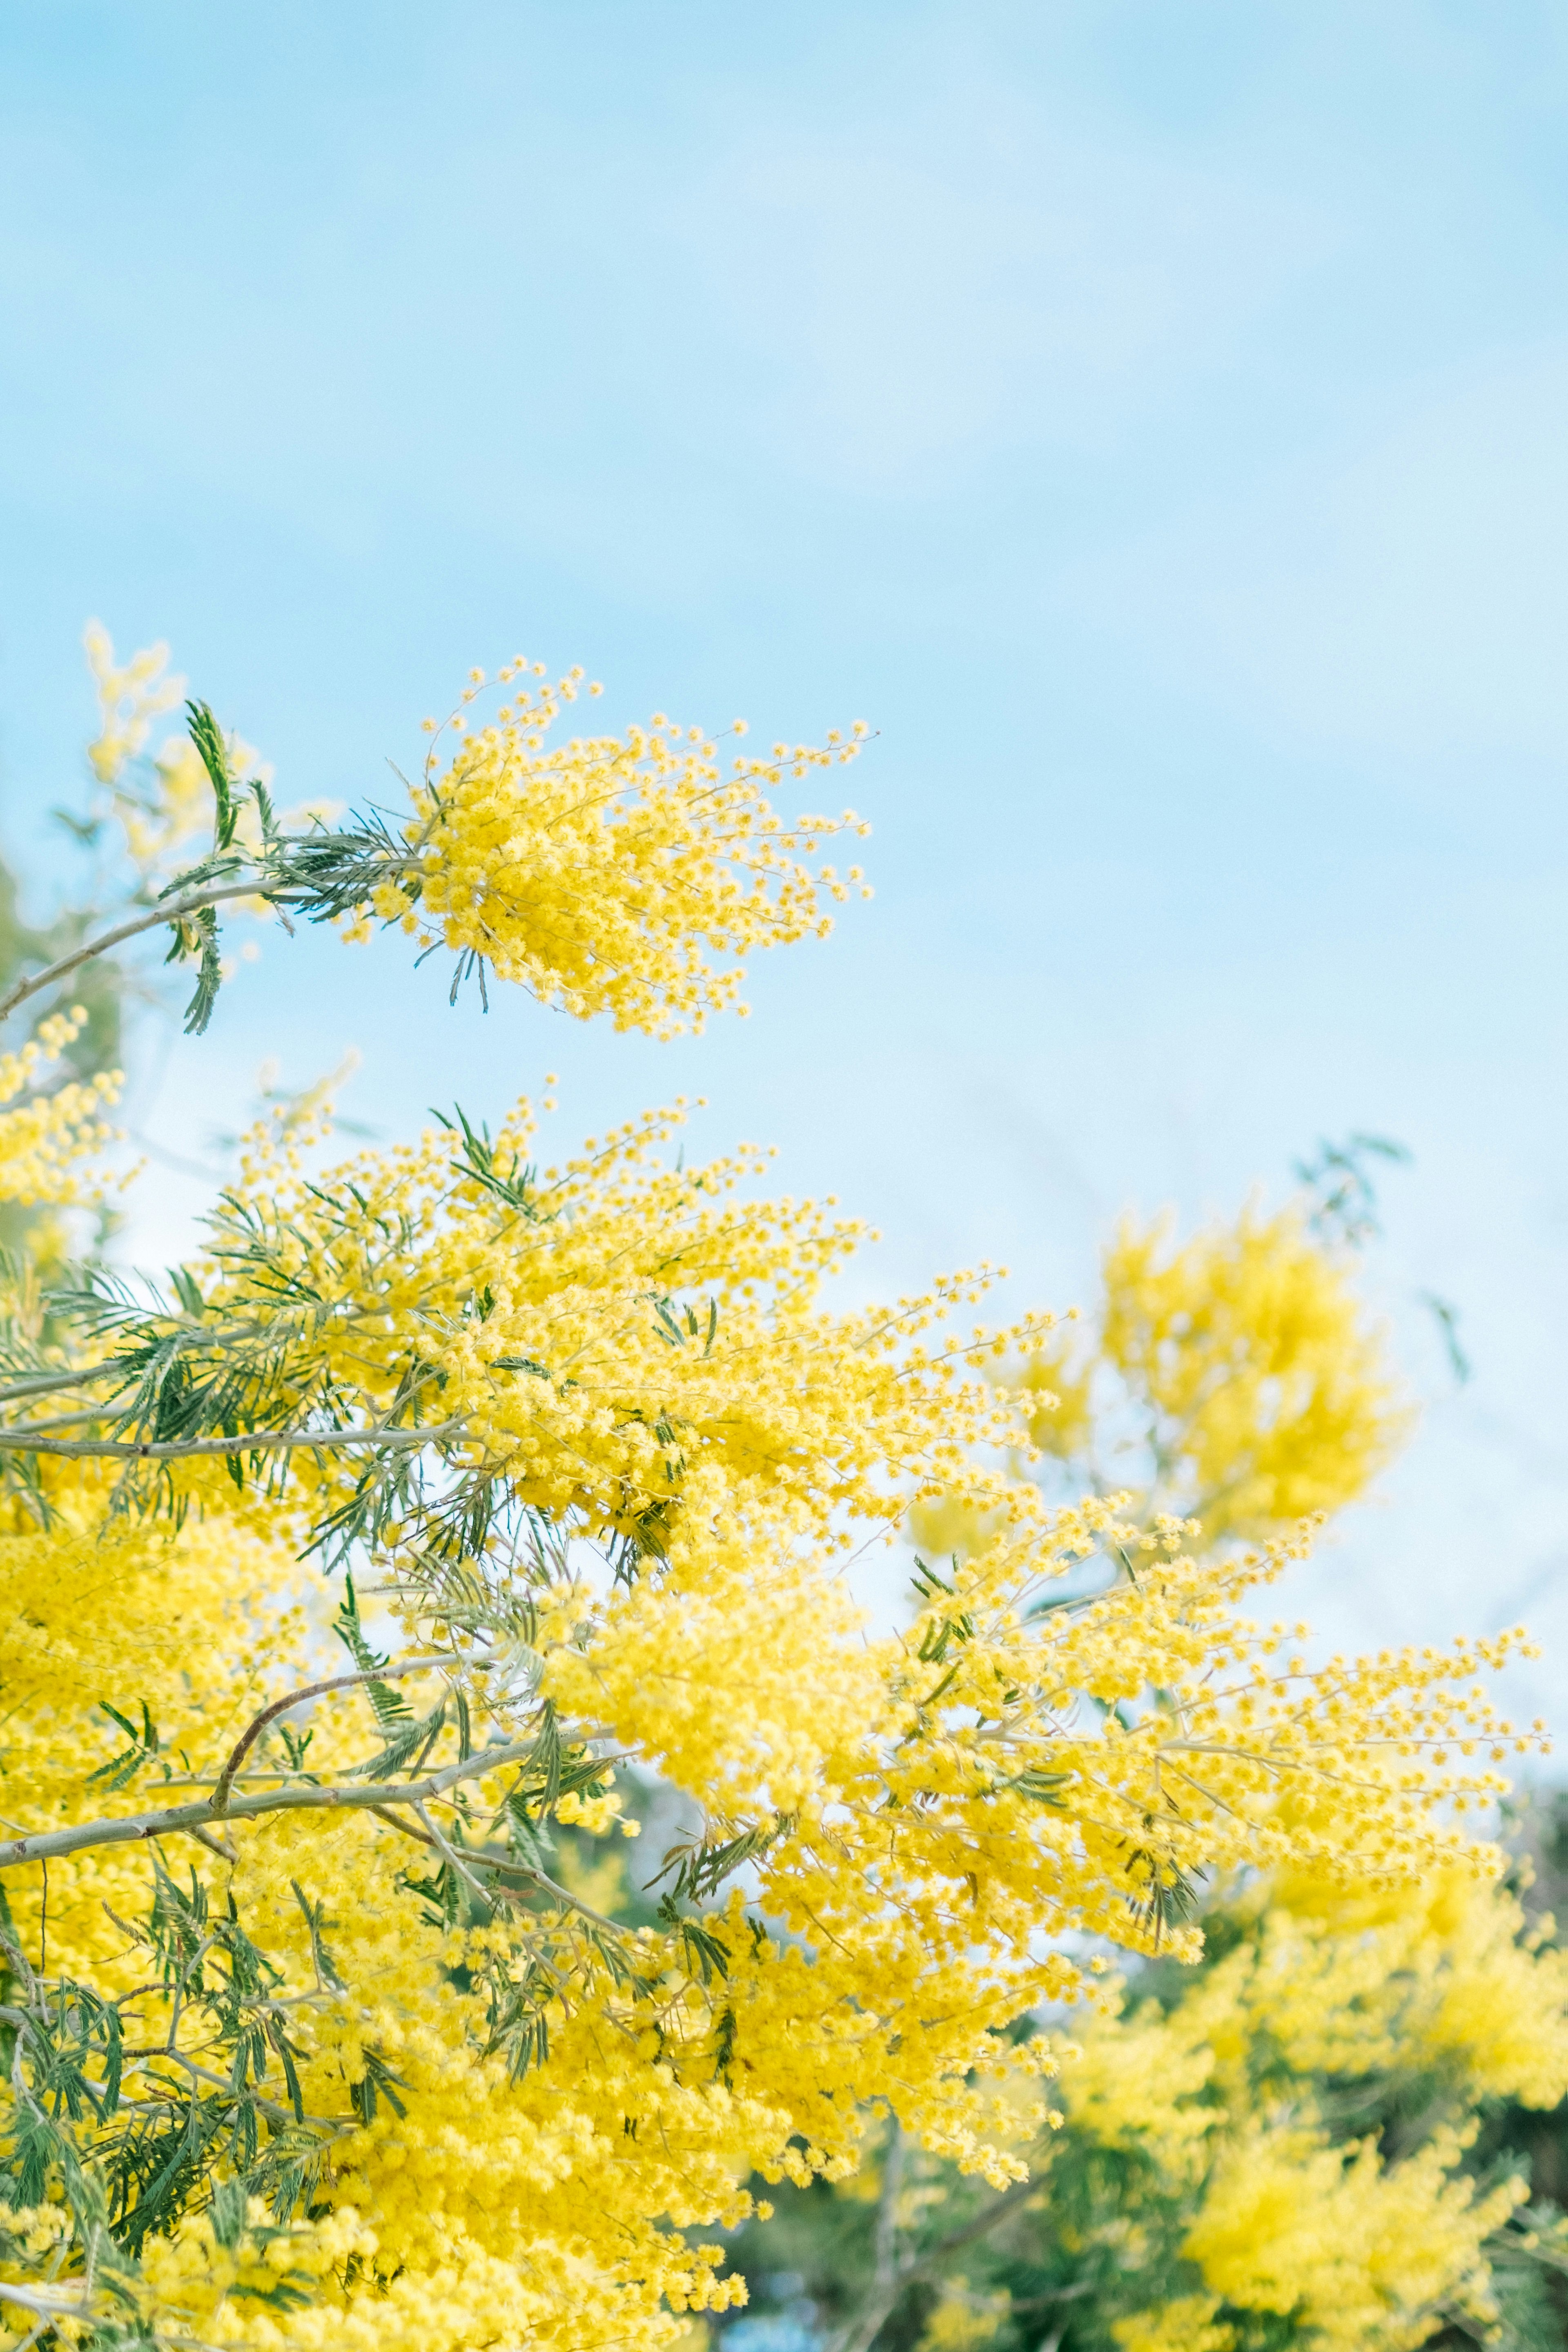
308 2042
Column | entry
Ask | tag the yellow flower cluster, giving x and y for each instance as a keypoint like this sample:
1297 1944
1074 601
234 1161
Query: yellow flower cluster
131 695
45 1140
630 1341
1371 2254
162 799
430 2199
882 1995
1247 1343
1448 1973
1246 1755
961 2322
605 873
1185 2324
931 1835
1230 1379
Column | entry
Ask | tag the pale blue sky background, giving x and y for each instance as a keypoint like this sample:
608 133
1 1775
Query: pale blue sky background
1149 417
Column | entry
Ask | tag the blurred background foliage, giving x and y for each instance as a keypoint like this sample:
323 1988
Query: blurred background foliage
1344 2127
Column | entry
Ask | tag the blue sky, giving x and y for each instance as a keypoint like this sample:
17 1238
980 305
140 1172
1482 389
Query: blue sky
1151 418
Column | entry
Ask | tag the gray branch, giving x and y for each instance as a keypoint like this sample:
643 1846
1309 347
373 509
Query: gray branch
245 1441
46 1384
170 911
133 1828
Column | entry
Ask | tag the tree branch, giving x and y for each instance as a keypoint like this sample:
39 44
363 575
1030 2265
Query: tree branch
46 1384
52 2307
170 911
247 1440
893 2275
1019 2194
130 1830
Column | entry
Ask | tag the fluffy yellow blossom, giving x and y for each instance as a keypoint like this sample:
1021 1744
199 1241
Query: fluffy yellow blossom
605 873
1230 1379
1212 2160
46 1137
1270 1400
1186 2324
961 2322
131 695
1368 2253
1448 1971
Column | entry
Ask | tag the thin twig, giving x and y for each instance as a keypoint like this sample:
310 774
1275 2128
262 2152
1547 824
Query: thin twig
406 1828
52 2307
220 2083
219 1847
453 1856
45 1383
1019 2194
171 912
297 1698
510 1870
